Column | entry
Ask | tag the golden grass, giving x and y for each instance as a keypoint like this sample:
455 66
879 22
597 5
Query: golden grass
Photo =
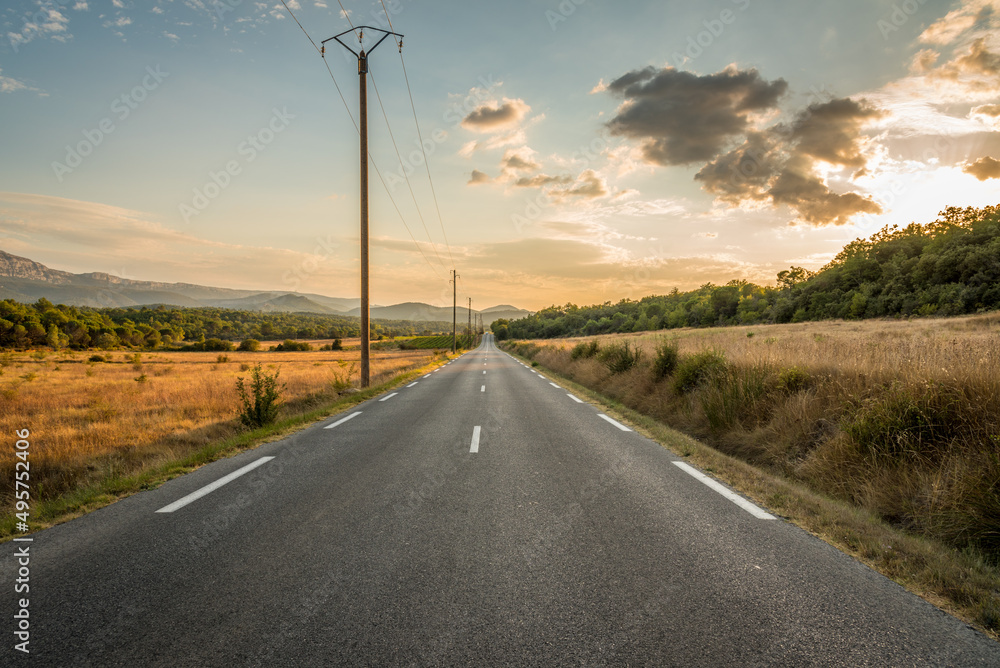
89 420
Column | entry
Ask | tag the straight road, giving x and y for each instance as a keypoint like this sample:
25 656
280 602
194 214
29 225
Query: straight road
482 515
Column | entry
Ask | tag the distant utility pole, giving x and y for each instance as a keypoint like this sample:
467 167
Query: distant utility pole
454 304
362 57
470 322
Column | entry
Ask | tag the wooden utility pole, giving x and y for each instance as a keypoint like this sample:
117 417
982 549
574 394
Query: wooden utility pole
470 322
454 305
363 131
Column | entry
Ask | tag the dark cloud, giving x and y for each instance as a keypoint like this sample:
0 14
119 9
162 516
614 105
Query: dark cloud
800 188
682 118
831 131
478 177
493 115
780 163
984 168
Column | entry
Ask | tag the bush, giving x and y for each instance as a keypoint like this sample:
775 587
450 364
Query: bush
293 346
260 400
249 345
692 370
794 379
906 422
95 358
217 345
620 357
666 358
337 345
222 359
585 349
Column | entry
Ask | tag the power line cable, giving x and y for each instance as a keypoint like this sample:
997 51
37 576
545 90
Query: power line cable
403 168
358 130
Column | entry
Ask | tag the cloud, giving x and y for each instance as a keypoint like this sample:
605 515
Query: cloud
84 236
478 177
984 168
986 110
520 159
589 185
491 116
681 118
781 163
540 180
45 22
948 28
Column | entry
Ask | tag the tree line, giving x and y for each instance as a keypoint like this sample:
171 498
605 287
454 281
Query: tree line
948 267
44 324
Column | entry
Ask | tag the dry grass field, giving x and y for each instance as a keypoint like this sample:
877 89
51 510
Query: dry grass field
93 420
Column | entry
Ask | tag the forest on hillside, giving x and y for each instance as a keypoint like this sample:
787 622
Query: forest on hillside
948 267
44 324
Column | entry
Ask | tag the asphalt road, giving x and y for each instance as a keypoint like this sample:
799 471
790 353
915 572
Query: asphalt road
479 517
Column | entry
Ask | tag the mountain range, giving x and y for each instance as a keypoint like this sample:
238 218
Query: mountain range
28 281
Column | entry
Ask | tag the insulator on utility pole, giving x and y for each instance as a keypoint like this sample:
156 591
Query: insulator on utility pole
362 57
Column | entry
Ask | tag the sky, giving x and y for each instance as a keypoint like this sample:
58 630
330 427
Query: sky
550 151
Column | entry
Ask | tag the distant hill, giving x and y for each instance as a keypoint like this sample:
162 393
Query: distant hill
28 281
425 312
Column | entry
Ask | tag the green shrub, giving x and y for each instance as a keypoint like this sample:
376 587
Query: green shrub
222 359
249 345
261 399
585 349
732 396
620 357
794 379
217 345
666 358
96 358
692 370
907 422
292 346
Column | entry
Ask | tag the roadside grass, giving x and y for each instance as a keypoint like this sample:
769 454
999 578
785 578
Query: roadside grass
962 581
93 479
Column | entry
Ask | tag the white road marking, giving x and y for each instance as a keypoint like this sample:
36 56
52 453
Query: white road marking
482 389
614 422
484 372
428 375
475 440
725 491
389 397
208 489
343 420
553 385
412 384
579 401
